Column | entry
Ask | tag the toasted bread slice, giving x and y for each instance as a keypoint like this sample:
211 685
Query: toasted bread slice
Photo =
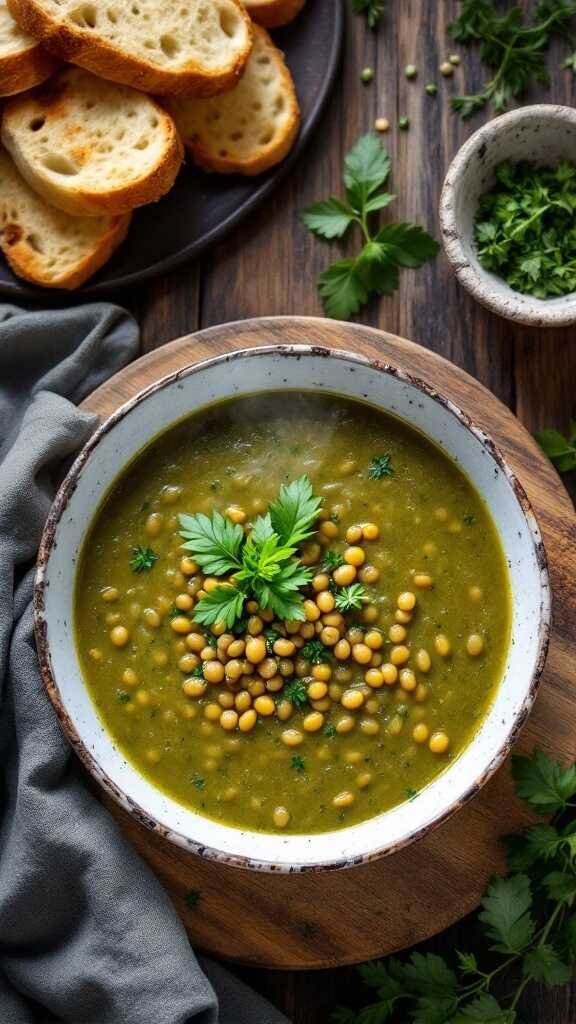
23 62
249 129
46 246
91 147
273 13
194 48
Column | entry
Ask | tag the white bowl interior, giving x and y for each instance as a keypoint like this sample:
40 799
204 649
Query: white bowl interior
543 135
303 369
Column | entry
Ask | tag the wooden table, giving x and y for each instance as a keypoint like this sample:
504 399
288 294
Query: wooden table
269 266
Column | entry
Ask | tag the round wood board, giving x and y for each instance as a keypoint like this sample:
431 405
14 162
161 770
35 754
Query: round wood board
202 208
333 918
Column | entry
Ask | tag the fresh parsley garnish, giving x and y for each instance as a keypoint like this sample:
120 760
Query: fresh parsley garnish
122 696
559 449
351 598
298 763
527 919
469 518
198 781
192 898
263 564
197 673
411 794
331 560
271 636
373 9
330 730
349 283
142 559
315 652
380 467
295 691
514 48
174 612
524 229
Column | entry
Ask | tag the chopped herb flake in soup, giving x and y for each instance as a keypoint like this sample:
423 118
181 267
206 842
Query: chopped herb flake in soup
293 612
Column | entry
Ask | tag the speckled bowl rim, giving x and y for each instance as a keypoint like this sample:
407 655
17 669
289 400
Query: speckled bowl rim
524 309
98 772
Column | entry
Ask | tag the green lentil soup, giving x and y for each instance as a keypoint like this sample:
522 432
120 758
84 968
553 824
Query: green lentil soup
292 612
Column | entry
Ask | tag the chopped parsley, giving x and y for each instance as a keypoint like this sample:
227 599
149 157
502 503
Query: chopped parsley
198 781
142 559
295 691
469 518
331 560
271 636
380 467
298 764
411 794
351 598
192 898
123 696
329 730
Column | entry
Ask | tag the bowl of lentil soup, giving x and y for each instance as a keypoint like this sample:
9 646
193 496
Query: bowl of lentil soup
291 608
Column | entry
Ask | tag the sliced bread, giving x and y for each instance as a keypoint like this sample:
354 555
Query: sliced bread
273 13
23 62
46 246
91 147
250 128
194 48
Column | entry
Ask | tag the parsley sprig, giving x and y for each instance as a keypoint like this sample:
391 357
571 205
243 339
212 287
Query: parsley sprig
142 559
351 598
524 229
372 9
315 652
295 691
516 49
560 450
262 563
380 467
349 283
528 920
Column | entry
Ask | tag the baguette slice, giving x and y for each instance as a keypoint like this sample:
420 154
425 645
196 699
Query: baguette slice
46 246
188 48
249 129
273 13
91 147
23 62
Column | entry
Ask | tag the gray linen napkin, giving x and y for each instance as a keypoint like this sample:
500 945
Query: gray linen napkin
87 934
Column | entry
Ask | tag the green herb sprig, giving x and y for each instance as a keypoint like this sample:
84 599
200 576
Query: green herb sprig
351 598
349 283
528 920
524 229
380 467
142 559
515 48
262 564
295 691
560 450
372 9
315 652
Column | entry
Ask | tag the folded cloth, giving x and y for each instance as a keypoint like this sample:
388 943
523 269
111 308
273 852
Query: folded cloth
87 934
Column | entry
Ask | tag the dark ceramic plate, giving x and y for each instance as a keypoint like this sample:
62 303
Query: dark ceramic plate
201 208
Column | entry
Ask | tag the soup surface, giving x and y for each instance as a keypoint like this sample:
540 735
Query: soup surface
393 648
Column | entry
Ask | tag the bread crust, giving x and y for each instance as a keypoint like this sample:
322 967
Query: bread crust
267 156
26 263
79 200
273 13
25 69
79 46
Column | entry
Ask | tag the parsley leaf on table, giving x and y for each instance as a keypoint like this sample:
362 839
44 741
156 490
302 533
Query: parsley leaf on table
373 9
349 283
544 783
514 48
506 914
559 449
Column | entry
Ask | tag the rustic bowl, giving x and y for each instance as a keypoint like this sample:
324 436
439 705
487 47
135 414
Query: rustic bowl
543 134
247 372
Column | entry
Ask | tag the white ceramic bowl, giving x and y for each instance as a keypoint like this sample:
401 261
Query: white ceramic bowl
244 373
543 134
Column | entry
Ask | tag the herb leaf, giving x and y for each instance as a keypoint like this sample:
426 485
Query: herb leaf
543 783
142 559
331 560
506 914
223 604
295 512
373 9
351 597
298 764
315 652
214 541
380 467
295 692
559 449
349 283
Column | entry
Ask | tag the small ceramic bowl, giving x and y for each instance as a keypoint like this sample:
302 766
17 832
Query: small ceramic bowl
543 134
257 371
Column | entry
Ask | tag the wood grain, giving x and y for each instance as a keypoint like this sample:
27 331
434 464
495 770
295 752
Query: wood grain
269 266
292 922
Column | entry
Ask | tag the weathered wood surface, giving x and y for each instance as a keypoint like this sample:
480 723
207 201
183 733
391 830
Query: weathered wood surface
268 267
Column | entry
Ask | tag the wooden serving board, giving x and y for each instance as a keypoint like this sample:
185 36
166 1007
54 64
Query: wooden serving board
334 918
